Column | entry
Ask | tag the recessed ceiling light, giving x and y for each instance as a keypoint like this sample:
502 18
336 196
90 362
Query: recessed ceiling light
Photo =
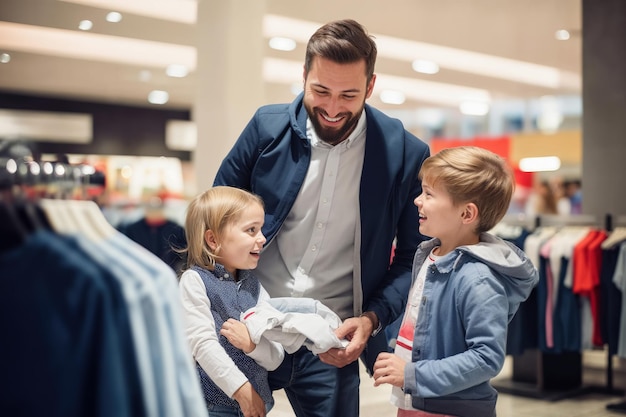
11 166
445 57
177 71
158 97
562 35
425 67
85 25
114 17
5 58
48 168
282 44
392 97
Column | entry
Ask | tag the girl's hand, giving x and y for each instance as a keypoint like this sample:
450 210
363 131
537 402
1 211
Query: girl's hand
237 334
250 401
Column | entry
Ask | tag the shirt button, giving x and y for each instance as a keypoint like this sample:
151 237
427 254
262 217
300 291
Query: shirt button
313 248
320 225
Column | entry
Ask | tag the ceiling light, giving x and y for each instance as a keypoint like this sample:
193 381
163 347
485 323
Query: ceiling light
282 71
11 166
425 67
177 71
158 97
59 170
5 58
282 44
114 17
450 58
34 168
95 46
562 35
474 108
85 25
175 11
392 97
87 170
48 168
538 164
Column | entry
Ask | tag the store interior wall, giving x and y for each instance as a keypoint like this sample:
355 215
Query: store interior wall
116 129
231 87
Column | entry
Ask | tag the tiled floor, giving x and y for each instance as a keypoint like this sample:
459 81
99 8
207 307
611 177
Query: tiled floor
375 400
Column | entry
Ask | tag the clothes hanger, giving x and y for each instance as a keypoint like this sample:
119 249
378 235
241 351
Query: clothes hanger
54 205
617 236
72 216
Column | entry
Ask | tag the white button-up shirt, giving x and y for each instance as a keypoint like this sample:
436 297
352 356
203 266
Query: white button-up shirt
313 255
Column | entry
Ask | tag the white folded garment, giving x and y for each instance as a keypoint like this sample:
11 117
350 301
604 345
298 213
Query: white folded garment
294 322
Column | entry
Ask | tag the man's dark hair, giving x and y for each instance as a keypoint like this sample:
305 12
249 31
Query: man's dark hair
342 41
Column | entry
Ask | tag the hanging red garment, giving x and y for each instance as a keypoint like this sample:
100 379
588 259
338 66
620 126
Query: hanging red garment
587 258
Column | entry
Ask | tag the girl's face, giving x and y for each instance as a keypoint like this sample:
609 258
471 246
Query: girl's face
241 242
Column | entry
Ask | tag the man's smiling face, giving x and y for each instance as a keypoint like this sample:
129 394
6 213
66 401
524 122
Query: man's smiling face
334 97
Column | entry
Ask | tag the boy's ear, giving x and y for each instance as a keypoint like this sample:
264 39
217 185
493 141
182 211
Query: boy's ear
209 238
470 213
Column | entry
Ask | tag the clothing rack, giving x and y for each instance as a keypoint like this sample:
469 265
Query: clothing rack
99 315
23 172
619 407
25 180
522 220
547 376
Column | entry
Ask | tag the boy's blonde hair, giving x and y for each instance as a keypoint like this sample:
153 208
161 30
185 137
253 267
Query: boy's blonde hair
214 210
473 175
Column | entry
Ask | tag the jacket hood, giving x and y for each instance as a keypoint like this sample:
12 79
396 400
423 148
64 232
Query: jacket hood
511 265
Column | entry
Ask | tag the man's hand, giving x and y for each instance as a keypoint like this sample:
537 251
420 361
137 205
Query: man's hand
357 330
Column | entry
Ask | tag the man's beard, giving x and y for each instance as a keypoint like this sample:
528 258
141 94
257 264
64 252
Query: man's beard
330 135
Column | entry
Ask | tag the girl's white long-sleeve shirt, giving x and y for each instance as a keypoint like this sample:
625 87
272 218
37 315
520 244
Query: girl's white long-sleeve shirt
202 337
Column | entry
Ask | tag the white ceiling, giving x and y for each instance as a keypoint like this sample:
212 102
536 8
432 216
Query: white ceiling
50 56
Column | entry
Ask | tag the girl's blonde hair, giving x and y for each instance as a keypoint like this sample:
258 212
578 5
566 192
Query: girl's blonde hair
215 209
473 175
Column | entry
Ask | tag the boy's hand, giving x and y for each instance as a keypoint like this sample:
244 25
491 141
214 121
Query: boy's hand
389 369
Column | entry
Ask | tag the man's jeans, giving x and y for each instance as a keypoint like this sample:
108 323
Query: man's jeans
315 388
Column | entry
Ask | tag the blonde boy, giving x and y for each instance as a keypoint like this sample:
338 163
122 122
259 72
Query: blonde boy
467 285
